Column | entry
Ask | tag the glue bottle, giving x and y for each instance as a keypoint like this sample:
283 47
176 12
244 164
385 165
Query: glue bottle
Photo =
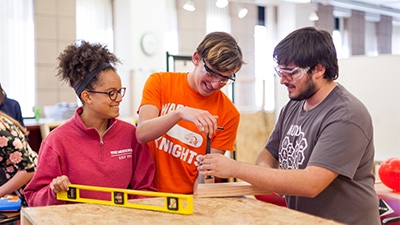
37 114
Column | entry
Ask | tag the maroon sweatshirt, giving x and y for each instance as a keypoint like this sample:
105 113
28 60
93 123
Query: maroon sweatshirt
114 160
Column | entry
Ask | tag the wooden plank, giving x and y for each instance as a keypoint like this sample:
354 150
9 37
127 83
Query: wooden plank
229 189
231 211
11 217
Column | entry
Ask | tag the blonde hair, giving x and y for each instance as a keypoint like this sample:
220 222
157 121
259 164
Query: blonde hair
15 122
221 51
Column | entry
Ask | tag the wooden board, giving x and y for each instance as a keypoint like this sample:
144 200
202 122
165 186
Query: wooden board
11 217
206 211
254 130
229 189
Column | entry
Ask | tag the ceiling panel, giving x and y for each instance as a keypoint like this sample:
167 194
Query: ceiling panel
385 7
394 4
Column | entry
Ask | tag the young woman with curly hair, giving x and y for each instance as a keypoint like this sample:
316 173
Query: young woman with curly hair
94 147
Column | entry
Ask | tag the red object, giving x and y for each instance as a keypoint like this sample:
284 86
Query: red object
272 198
389 173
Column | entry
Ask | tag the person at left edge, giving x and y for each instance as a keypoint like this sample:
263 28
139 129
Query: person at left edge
94 147
17 159
10 107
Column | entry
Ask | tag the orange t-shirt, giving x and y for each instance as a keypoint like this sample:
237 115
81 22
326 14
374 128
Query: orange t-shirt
176 153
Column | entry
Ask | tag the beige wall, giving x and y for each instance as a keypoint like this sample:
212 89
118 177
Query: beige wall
371 79
54 29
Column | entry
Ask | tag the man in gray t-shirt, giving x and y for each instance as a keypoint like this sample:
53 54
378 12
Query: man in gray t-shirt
335 135
320 154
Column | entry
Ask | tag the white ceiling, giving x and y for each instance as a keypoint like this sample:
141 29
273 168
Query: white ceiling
394 4
384 7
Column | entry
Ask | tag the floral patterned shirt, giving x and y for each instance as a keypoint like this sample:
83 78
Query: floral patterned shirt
15 154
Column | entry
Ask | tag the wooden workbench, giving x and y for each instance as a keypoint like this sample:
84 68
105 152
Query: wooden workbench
206 211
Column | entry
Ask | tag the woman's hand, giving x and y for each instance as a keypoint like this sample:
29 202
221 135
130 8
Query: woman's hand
60 184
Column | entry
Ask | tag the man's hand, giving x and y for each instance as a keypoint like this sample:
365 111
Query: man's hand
204 121
217 165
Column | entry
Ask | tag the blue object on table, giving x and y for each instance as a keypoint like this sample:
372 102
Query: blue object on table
10 203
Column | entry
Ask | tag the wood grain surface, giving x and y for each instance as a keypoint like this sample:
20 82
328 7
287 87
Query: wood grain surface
206 211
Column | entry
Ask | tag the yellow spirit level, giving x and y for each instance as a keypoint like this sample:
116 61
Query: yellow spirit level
172 203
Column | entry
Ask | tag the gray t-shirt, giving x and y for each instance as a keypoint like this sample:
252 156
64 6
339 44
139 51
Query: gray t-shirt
336 135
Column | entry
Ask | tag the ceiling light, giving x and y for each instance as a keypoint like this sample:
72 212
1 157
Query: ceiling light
221 3
242 12
313 16
189 6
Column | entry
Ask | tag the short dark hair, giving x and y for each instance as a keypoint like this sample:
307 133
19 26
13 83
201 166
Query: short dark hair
308 47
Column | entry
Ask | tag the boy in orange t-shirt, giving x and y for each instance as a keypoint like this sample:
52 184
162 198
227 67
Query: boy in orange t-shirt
179 110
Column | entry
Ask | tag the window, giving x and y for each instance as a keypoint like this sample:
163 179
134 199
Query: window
94 21
17 53
371 42
340 38
396 37
265 87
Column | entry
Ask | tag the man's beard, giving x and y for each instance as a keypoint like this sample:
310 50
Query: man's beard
308 93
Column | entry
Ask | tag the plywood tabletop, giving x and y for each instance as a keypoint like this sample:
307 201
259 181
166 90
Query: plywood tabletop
206 211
